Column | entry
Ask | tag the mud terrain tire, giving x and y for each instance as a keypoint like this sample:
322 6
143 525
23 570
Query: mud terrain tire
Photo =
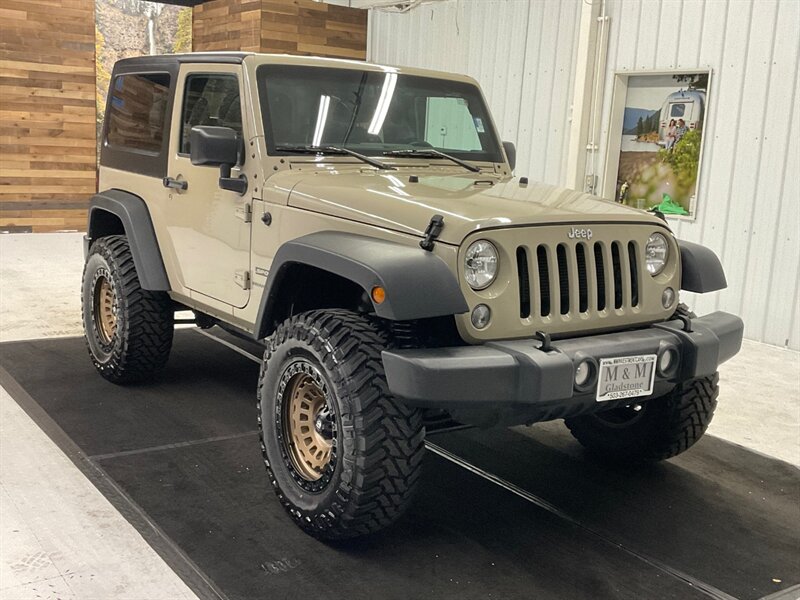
365 479
128 330
663 428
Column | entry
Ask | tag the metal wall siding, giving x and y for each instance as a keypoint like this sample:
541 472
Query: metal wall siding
523 54
751 142
499 43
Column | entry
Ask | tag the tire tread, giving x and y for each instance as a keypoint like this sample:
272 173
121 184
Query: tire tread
148 322
679 420
390 436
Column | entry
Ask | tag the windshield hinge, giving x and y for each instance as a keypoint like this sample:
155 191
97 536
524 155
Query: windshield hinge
245 212
242 278
432 232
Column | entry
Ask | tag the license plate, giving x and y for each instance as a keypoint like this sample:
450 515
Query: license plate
626 377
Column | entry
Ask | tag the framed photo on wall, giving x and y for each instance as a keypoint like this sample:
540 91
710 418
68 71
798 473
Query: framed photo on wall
656 136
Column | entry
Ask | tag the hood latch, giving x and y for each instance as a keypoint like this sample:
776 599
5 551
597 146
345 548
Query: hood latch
432 232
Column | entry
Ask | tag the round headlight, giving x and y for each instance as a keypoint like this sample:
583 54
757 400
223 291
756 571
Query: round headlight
656 253
480 264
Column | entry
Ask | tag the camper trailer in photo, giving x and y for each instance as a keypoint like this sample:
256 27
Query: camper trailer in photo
688 105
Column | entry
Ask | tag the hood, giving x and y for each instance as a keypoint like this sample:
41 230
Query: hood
468 202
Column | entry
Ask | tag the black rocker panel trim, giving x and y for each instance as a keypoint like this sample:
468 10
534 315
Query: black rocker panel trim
701 269
418 284
132 212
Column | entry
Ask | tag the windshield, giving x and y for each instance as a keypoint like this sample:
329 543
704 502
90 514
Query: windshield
373 112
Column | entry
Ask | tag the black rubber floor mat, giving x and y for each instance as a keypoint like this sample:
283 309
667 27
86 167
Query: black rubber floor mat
183 453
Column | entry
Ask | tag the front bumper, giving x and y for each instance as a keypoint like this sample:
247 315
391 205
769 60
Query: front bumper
516 374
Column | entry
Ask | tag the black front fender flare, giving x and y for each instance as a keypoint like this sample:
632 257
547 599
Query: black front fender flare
132 212
418 284
701 270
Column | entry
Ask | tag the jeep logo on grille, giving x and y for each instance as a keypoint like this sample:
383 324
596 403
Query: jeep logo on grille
576 233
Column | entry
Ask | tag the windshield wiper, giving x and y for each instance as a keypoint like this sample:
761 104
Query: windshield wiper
334 150
430 153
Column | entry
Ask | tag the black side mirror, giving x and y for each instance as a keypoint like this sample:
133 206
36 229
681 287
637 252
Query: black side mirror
219 146
511 154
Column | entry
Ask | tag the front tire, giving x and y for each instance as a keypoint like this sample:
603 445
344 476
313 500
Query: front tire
662 428
128 330
342 454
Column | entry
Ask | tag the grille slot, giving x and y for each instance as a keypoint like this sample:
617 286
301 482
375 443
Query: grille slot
617 269
524 283
634 274
600 273
544 280
583 283
563 278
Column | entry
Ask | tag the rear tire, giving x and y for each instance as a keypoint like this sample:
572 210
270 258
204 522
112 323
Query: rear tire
343 455
128 330
663 428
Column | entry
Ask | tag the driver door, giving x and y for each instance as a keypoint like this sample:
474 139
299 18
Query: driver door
209 227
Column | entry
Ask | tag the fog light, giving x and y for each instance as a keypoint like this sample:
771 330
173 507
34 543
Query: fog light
667 361
668 297
583 373
480 316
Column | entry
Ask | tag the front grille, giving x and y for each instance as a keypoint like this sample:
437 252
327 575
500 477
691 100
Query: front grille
578 278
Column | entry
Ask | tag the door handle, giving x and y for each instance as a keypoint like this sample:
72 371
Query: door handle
175 184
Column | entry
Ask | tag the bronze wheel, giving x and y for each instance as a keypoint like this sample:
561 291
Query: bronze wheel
306 423
105 308
128 330
343 455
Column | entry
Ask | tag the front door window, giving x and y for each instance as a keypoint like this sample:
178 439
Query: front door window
210 100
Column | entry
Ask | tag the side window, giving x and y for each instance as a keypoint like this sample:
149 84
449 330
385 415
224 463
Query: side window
677 110
210 99
137 112
449 125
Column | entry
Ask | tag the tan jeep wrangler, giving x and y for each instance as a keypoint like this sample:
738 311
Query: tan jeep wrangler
363 222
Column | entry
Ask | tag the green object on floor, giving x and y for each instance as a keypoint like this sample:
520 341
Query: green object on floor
669 207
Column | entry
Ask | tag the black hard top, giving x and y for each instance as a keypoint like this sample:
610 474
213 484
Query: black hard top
169 60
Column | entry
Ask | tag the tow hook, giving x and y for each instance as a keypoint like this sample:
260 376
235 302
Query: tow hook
545 339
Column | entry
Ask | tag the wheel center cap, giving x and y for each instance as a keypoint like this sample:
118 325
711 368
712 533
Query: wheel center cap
323 424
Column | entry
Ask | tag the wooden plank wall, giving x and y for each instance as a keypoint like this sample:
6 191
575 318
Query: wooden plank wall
227 25
47 114
313 28
281 26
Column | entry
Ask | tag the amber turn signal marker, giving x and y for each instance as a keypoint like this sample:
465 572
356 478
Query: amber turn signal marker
378 294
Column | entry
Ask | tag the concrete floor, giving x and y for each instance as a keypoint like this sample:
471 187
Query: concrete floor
59 537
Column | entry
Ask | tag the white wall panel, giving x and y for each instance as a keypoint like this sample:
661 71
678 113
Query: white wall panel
523 53
746 211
